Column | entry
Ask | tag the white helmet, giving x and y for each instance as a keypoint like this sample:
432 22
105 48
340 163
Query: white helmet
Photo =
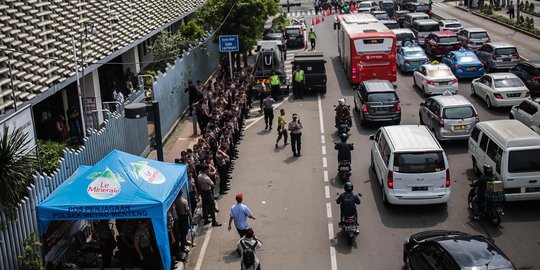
341 101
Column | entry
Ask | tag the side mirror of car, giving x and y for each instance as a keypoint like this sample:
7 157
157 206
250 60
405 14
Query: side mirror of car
395 86
359 194
422 104
372 137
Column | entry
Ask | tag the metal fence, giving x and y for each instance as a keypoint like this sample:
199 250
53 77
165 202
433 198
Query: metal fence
128 135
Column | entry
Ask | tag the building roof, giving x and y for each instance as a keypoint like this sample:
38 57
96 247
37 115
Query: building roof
36 37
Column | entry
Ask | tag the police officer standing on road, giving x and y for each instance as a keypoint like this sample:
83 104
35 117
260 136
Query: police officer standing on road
274 83
268 107
295 127
298 83
312 38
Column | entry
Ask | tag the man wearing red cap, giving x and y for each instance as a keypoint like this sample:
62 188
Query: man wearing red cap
240 214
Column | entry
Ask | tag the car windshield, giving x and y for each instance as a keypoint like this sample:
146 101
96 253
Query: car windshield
422 8
382 16
508 82
388 5
428 27
444 72
364 5
415 54
479 35
391 24
293 31
453 25
458 112
404 36
448 40
382 97
419 162
467 59
524 161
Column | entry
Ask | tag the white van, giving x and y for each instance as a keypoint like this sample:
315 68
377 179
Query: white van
513 150
422 28
410 165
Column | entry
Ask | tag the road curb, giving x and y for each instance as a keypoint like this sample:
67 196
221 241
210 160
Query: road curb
499 22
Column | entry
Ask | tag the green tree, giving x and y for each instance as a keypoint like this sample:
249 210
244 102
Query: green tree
31 259
192 30
246 19
16 167
50 153
166 48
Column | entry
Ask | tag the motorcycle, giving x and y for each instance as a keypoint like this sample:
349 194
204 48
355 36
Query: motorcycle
343 126
344 170
349 226
490 210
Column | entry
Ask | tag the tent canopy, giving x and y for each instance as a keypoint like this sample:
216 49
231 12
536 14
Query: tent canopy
119 186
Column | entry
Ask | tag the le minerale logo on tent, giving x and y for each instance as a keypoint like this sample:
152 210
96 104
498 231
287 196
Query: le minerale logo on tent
148 173
106 185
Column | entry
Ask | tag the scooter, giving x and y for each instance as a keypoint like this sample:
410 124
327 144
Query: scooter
490 210
349 226
344 170
343 126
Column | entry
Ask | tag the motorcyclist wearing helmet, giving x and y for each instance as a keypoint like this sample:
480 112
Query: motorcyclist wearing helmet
481 186
344 148
343 111
347 202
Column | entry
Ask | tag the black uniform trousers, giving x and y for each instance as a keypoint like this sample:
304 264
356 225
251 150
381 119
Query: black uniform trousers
296 142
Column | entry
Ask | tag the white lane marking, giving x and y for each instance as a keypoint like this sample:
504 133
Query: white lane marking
327 192
321 122
333 260
329 211
323 149
203 249
322 139
330 231
324 164
326 176
261 117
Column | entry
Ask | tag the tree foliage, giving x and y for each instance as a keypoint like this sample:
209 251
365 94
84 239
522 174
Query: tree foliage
246 20
50 153
31 259
16 168
166 48
192 30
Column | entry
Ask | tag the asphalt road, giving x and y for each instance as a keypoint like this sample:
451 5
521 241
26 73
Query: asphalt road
295 207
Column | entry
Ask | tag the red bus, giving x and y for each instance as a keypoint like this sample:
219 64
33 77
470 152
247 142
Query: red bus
367 48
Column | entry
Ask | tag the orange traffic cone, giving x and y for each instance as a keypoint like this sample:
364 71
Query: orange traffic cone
318 20
312 21
323 12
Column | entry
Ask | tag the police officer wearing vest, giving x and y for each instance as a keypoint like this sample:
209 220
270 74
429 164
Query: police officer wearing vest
298 83
275 83
295 127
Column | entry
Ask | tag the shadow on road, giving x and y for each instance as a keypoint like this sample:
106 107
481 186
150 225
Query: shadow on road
232 257
341 243
405 216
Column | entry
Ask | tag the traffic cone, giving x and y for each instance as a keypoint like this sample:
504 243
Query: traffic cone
318 20
312 21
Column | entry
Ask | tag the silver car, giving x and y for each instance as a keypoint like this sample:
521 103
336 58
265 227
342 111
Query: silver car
498 55
473 38
449 117
528 113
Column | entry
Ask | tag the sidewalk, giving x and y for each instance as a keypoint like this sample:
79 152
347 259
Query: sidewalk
503 11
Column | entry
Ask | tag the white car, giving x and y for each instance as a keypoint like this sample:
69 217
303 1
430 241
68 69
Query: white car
367 6
435 78
453 25
500 89
528 113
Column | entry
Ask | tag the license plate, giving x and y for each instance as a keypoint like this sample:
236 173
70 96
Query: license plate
443 83
532 189
419 188
506 59
471 68
459 127
343 169
416 62
513 95
291 38
381 109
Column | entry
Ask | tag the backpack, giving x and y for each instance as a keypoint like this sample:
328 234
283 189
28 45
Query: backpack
248 254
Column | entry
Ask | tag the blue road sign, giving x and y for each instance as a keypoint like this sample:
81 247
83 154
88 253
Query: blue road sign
228 43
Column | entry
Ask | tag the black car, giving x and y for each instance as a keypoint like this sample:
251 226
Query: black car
399 16
269 34
403 3
418 7
389 6
529 73
377 101
452 250
294 35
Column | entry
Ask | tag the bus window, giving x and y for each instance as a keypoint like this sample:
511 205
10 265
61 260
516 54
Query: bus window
373 45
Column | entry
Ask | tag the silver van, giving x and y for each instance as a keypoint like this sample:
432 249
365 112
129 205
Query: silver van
410 165
513 149
449 117
411 17
423 27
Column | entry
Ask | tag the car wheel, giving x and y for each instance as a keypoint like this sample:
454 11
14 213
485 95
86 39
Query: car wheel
510 116
407 263
473 91
488 103
475 169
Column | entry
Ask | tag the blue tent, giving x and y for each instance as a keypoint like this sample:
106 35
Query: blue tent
120 186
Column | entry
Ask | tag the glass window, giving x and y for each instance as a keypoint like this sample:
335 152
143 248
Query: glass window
387 5
431 254
528 107
404 36
365 5
479 35
492 150
415 54
372 45
453 25
458 112
508 82
419 162
524 161
467 59
484 142
382 97
428 27
422 8
448 40
475 133
293 31
505 51
435 73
